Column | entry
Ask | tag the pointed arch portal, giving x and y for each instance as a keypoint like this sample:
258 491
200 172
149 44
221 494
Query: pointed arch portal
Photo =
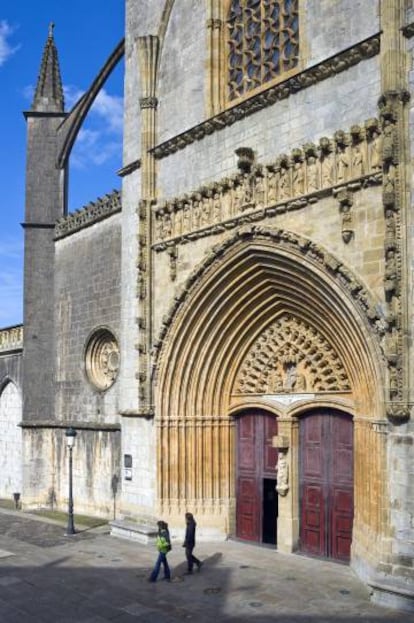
251 286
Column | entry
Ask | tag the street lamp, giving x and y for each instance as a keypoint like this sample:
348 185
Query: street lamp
70 441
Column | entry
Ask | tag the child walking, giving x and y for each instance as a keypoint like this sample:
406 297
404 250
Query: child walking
163 544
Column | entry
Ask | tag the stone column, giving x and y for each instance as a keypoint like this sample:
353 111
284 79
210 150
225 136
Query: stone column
287 443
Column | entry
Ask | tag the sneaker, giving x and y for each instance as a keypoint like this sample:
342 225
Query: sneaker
200 564
188 573
151 580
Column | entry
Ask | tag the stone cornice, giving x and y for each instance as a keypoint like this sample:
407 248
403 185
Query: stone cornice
93 426
11 339
308 77
129 168
92 213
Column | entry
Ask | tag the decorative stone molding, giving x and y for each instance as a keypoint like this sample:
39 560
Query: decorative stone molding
291 357
11 339
92 213
148 102
330 67
64 424
102 359
338 166
129 168
293 242
390 106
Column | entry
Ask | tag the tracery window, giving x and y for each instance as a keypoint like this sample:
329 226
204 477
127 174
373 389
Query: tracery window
263 43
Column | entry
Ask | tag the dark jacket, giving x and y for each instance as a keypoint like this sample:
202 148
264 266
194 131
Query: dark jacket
189 539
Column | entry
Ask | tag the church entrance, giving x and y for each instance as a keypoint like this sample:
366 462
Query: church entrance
326 485
256 504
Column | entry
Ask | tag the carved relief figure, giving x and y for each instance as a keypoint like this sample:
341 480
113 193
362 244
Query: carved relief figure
186 218
342 164
284 182
388 141
298 178
167 225
282 478
239 197
391 274
312 174
390 232
327 164
260 191
275 382
196 211
205 212
216 207
358 165
178 220
376 150
271 186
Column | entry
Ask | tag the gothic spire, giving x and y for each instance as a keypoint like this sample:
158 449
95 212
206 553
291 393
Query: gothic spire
49 93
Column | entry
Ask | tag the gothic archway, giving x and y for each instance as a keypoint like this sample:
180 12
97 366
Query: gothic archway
257 281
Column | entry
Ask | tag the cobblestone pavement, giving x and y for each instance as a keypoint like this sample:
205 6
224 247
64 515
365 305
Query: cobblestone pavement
92 577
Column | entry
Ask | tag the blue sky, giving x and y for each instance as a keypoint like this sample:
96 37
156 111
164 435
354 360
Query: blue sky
86 32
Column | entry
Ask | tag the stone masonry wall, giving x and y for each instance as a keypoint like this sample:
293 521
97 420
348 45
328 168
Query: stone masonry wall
87 297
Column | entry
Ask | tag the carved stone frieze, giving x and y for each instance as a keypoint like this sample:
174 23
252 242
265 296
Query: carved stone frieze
95 211
340 165
291 357
11 339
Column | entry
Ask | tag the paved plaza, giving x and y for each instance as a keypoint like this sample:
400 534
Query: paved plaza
46 577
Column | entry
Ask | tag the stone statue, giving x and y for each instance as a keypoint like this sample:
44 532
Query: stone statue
282 479
358 168
297 178
342 164
376 150
312 174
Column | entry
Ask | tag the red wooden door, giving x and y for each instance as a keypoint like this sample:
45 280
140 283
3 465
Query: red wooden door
326 485
256 461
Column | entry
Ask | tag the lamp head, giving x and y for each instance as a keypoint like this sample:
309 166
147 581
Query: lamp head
70 437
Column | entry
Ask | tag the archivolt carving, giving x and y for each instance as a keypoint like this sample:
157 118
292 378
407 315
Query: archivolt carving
348 161
290 356
297 244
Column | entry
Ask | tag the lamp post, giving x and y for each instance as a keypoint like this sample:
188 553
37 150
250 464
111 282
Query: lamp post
70 441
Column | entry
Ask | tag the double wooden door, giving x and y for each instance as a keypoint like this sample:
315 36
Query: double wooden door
326 485
256 504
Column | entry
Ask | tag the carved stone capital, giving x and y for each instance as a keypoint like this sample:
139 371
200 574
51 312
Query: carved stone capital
148 102
399 411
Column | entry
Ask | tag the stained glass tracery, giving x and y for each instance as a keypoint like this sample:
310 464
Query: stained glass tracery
263 39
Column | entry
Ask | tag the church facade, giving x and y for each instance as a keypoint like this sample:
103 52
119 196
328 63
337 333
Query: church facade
230 333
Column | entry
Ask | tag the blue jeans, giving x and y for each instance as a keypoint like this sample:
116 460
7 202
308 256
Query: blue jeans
162 559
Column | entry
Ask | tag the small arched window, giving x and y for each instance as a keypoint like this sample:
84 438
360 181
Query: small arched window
263 43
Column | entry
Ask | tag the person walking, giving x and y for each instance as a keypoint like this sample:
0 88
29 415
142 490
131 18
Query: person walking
189 543
163 544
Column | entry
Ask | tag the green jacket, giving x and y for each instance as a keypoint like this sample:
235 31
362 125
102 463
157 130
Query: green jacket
163 542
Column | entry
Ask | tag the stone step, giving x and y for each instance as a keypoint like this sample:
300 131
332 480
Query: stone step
134 531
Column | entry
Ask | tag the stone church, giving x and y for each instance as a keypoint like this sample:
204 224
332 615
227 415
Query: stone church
230 333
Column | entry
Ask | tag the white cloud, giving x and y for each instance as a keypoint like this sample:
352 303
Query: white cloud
72 94
6 50
110 109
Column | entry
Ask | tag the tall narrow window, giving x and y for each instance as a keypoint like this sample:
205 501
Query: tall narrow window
263 43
